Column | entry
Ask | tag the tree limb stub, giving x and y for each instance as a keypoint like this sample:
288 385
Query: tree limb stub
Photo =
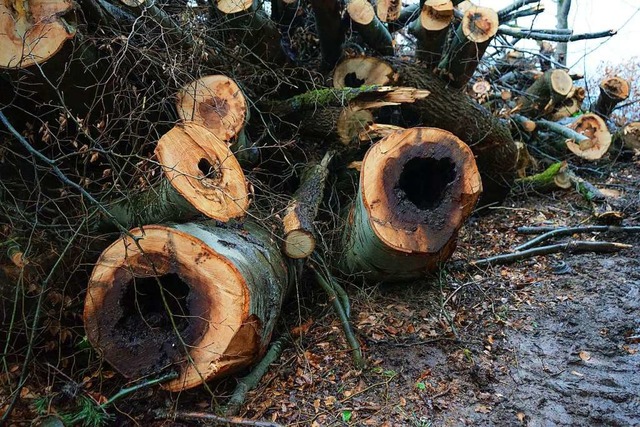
299 231
478 27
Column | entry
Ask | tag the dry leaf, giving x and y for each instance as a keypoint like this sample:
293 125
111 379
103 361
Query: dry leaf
520 416
584 355
483 409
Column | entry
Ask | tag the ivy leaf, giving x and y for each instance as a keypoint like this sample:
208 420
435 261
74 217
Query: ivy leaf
346 416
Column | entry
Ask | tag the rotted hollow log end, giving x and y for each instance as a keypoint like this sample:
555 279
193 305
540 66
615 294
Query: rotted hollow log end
204 171
184 298
417 187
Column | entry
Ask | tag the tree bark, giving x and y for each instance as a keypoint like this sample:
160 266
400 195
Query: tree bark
613 90
201 176
200 297
489 139
330 30
417 187
299 231
562 23
431 29
478 27
545 93
365 21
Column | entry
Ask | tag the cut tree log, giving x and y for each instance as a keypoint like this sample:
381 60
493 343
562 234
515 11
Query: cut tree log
613 90
431 29
364 20
201 176
253 27
32 31
388 10
299 231
215 102
478 27
549 90
363 71
330 30
631 135
417 187
598 137
489 138
201 298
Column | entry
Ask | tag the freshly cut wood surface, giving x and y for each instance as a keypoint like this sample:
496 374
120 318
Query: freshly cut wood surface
631 135
217 103
613 90
599 138
31 31
204 171
234 6
199 297
363 70
388 10
417 187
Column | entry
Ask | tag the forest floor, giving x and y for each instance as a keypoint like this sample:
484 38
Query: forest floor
551 340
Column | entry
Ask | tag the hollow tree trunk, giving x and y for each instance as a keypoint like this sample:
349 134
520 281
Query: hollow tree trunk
431 29
489 138
388 10
598 137
202 176
613 90
417 187
631 135
201 298
478 27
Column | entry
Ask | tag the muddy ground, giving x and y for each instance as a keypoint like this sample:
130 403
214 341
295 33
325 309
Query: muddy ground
547 341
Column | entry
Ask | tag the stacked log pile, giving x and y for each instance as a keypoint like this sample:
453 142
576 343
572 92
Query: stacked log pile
210 137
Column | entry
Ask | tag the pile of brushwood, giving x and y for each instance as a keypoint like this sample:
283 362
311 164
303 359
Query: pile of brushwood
171 170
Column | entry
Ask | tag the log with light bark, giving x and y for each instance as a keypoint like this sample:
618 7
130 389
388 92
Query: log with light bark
253 27
431 29
548 91
472 37
299 231
489 138
631 135
196 297
613 90
598 137
32 31
388 10
417 187
371 29
201 176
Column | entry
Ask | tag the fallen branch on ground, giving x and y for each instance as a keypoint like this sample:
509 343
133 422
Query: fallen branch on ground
571 246
551 232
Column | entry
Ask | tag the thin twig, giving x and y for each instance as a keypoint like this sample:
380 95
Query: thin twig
518 4
56 170
213 418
